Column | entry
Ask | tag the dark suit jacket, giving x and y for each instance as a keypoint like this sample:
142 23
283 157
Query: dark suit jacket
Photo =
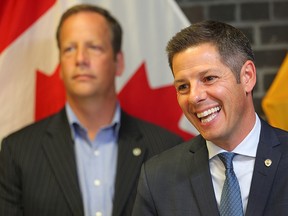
38 174
178 181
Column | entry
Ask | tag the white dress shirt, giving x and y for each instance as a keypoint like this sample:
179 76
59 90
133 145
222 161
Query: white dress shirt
243 164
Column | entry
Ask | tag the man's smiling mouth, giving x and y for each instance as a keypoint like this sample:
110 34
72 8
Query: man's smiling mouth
208 115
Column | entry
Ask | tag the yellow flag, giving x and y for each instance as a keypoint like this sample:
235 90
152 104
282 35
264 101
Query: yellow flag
275 102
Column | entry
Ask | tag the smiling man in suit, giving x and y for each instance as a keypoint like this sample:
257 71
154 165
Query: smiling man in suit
214 76
86 159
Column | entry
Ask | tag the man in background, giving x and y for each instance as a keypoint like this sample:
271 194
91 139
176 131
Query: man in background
86 159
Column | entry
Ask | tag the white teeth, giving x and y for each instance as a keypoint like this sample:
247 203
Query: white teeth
207 113
209 118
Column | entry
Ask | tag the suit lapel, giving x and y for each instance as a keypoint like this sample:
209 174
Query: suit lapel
263 174
128 164
197 164
60 153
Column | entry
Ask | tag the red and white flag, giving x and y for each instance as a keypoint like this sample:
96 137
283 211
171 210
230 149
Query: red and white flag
30 88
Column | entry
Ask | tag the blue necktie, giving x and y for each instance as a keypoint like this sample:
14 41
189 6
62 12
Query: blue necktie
231 202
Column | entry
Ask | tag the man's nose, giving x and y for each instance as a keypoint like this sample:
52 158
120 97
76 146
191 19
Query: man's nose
197 93
82 56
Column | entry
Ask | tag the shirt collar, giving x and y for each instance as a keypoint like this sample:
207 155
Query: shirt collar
247 147
73 120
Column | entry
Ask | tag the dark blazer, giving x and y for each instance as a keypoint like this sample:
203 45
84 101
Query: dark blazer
178 181
38 174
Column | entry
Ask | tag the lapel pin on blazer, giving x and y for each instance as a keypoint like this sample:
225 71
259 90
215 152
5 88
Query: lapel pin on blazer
137 152
268 162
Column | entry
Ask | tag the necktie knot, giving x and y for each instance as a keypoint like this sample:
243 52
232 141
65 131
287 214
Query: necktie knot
227 158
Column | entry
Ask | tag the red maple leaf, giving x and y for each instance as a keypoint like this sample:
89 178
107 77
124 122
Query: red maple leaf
17 16
158 106
50 94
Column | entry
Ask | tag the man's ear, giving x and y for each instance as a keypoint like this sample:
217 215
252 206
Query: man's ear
120 64
248 76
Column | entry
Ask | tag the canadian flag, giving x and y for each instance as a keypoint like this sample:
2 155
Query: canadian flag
29 81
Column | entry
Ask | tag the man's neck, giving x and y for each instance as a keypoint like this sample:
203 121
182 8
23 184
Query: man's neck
94 114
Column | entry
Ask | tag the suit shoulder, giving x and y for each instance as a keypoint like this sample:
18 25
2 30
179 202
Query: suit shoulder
150 129
154 139
168 160
36 126
281 134
178 152
29 132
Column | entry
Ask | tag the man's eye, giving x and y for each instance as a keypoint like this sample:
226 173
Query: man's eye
95 47
209 78
67 49
182 89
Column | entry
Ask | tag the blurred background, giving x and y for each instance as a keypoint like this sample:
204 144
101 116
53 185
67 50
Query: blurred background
30 88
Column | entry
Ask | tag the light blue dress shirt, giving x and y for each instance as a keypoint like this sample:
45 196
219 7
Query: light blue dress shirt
243 163
96 164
